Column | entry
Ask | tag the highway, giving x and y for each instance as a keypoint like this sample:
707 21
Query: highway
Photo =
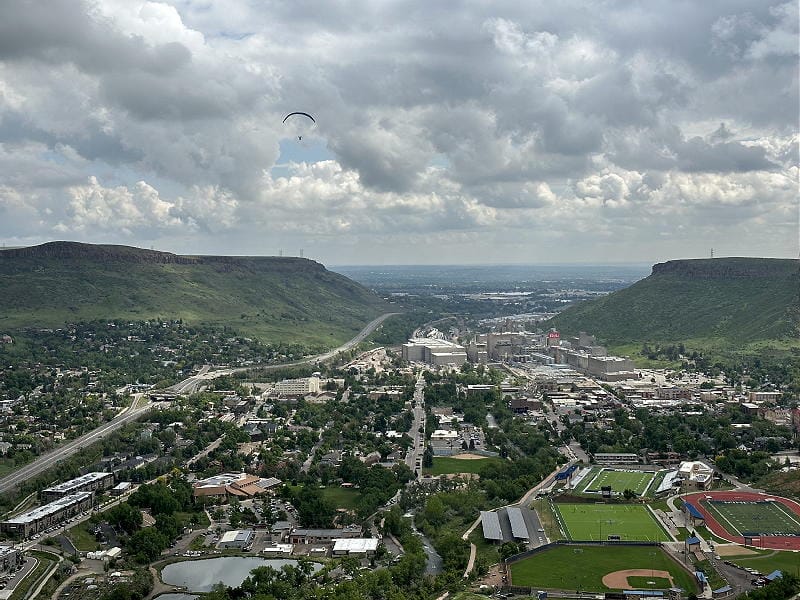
193 383
45 461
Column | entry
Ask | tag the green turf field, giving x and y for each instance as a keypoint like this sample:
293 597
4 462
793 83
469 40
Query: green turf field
766 518
632 522
583 567
638 481
443 465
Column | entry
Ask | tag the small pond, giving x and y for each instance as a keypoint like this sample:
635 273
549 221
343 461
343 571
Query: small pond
202 575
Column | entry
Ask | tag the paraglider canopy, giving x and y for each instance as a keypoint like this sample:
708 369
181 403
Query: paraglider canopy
300 114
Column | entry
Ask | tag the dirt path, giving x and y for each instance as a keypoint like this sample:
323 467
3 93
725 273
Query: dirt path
618 580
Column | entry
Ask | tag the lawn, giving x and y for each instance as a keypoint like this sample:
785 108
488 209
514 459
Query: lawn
443 465
638 481
649 583
583 567
766 518
767 561
598 521
82 538
341 497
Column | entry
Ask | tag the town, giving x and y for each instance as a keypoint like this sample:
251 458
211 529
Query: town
473 459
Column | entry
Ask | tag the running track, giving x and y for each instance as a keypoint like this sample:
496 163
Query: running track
781 542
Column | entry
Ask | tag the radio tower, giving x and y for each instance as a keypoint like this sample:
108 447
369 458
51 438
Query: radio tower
712 253
301 253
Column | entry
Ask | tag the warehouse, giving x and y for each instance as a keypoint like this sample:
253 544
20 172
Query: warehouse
355 547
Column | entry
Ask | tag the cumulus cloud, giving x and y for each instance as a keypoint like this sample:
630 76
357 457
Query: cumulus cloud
162 120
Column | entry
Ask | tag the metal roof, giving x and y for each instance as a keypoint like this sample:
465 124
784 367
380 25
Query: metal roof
356 545
52 508
693 510
518 527
490 523
72 484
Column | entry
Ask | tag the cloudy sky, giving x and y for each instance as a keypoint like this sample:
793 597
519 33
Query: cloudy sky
447 132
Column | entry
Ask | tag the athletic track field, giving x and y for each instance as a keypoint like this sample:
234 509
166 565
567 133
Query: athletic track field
774 542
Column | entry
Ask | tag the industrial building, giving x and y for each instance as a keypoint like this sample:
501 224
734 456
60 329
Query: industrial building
434 352
241 539
43 517
355 547
90 482
314 536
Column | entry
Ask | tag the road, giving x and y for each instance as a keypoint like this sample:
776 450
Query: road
45 461
414 455
192 384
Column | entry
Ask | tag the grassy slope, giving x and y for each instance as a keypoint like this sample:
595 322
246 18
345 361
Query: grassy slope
735 301
270 298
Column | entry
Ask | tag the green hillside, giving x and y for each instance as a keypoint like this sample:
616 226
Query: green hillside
273 299
720 304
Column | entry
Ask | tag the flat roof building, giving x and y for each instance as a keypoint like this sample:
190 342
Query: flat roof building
242 539
85 483
298 387
314 536
242 485
43 517
362 546
434 352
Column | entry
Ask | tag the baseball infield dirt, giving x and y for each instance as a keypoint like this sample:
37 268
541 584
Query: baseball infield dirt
618 580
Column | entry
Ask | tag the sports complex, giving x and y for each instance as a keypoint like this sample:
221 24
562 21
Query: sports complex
750 518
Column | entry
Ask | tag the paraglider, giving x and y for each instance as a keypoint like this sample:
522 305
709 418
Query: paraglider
300 114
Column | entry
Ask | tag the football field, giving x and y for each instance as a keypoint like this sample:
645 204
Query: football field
620 480
631 522
754 518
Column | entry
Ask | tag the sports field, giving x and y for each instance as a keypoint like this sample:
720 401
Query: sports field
631 522
583 567
620 480
754 518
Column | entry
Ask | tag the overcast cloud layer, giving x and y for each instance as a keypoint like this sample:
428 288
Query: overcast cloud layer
446 132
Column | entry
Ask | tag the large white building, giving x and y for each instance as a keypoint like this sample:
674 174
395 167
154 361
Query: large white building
695 475
298 387
434 352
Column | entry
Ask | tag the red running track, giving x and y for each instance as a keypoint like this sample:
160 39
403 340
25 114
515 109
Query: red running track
777 542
